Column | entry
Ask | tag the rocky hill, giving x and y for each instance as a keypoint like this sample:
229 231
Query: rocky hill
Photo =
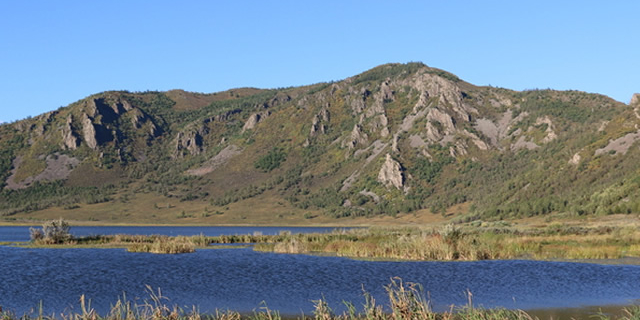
396 139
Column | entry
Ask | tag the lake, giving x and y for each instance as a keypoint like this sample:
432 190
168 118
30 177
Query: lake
241 279
21 233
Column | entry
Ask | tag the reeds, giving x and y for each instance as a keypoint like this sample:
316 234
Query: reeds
446 244
407 301
165 245
450 243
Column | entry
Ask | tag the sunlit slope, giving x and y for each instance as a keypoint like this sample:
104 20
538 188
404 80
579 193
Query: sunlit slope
399 138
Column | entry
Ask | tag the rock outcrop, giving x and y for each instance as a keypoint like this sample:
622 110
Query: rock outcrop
635 99
223 116
356 138
376 112
575 160
551 135
440 126
140 120
70 140
89 132
279 99
358 104
391 173
254 119
189 141
620 145
319 122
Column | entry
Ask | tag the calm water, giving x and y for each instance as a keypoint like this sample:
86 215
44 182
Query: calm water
22 233
240 279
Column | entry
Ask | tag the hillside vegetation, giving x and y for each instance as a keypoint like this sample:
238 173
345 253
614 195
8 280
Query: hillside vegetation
397 139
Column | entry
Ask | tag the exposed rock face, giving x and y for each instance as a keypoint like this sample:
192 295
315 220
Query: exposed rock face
89 132
551 135
319 122
620 145
139 120
460 149
190 141
109 107
439 125
391 173
70 139
385 90
219 160
254 119
635 99
358 103
448 92
90 108
279 99
58 166
496 132
575 160
523 143
372 115
476 140
224 116
415 141
101 119
376 112
357 137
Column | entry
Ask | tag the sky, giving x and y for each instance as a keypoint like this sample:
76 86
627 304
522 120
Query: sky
53 53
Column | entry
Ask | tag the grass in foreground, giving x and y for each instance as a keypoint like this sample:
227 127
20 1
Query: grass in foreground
406 302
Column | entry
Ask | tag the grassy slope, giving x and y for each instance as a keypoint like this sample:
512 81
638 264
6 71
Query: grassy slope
499 184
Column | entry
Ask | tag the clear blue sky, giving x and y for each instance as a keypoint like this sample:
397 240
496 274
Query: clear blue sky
53 53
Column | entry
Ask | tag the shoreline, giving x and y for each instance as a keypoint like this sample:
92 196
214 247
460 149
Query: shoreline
631 261
464 242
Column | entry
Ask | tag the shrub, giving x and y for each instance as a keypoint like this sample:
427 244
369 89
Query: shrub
271 160
52 232
35 234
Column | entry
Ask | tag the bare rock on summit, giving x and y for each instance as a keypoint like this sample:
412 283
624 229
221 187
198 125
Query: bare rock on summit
391 173
635 99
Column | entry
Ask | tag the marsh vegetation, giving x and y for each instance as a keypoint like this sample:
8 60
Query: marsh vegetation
445 243
406 301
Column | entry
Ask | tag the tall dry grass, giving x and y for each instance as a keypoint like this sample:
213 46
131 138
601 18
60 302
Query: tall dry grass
453 243
165 245
447 243
406 301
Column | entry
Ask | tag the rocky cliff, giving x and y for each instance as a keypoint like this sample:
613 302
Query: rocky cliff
397 138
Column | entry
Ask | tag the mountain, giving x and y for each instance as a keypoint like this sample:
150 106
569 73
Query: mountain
399 138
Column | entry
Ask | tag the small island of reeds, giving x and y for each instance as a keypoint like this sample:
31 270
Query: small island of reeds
445 243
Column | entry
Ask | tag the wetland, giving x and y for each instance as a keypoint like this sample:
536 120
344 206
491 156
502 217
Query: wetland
246 279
